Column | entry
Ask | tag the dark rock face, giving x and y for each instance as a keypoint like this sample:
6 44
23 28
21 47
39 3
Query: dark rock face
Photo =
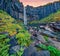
42 11
13 7
31 51
41 53
28 51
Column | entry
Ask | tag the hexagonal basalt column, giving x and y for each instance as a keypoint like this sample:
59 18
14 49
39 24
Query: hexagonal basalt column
1 1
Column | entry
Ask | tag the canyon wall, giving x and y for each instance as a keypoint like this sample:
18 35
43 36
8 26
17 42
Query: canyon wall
15 9
40 12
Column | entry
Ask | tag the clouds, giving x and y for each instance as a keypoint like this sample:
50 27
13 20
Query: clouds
36 2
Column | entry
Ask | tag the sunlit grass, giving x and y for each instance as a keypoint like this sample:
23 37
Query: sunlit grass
9 24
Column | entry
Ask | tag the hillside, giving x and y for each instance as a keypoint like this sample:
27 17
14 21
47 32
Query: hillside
12 36
15 40
8 24
51 18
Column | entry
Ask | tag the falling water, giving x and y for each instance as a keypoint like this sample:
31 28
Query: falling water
25 17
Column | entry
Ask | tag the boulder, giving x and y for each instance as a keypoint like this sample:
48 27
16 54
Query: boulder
41 53
28 51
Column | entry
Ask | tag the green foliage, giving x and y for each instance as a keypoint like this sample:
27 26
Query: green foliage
4 46
23 38
42 46
20 52
46 38
53 51
8 24
2 36
13 55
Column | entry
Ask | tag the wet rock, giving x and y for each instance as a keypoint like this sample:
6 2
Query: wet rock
41 53
49 33
31 51
16 48
14 45
0 18
55 26
40 38
28 51
13 42
55 43
32 38
11 51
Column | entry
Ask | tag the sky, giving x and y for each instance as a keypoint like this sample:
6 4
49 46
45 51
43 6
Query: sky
36 3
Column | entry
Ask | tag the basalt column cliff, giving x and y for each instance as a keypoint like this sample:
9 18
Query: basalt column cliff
13 7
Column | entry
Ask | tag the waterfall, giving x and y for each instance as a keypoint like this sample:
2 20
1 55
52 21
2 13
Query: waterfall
25 17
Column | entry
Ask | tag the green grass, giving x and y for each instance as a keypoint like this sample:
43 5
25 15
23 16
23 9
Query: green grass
53 51
4 46
8 24
46 38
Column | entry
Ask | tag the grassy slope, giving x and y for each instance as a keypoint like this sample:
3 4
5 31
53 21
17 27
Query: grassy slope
8 24
51 18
